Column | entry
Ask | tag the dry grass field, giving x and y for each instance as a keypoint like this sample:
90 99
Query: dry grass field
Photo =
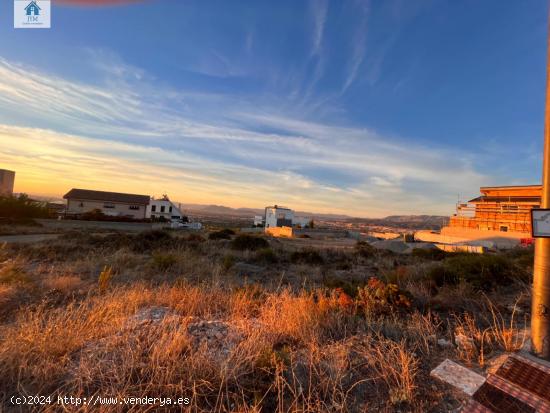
245 324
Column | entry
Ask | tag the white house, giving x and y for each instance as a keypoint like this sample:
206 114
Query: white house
258 221
163 208
277 216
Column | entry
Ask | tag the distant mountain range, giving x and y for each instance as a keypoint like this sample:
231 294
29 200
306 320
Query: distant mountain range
250 212
405 221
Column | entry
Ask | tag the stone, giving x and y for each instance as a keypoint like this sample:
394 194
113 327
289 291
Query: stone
458 376
442 342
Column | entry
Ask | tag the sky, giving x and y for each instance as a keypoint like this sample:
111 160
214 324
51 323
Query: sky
367 108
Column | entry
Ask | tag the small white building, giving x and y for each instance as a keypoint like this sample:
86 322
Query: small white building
163 208
277 216
258 221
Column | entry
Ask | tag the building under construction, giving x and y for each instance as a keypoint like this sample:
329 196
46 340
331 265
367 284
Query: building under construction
499 208
499 218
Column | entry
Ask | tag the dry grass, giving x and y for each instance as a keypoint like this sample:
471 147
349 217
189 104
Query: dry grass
134 321
63 283
282 354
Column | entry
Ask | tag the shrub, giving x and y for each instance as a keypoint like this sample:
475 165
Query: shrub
248 242
223 234
163 261
266 255
150 240
350 287
195 238
482 271
433 254
307 256
380 297
364 249
228 262
22 207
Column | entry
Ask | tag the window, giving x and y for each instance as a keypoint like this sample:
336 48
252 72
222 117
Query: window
134 207
170 209
504 228
81 205
109 206
162 208
153 208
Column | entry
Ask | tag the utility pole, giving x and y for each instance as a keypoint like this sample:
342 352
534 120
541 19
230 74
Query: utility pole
540 306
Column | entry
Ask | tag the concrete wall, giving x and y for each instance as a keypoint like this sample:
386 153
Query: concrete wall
279 232
488 239
461 248
7 180
384 235
77 206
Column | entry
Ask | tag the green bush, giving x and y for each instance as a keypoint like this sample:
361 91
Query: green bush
481 271
150 240
223 234
307 256
22 207
364 249
350 287
383 298
163 261
249 242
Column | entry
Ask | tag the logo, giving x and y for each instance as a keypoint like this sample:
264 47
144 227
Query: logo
31 14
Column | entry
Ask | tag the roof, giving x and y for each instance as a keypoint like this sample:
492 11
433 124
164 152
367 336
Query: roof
278 207
510 187
107 196
33 3
483 198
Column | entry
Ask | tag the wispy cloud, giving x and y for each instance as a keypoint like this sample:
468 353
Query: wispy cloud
359 46
319 9
134 135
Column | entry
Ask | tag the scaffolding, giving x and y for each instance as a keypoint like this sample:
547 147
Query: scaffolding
490 215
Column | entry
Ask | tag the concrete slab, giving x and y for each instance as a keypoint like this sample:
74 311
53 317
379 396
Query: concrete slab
458 376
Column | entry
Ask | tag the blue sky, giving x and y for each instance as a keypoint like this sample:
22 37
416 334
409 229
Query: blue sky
362 107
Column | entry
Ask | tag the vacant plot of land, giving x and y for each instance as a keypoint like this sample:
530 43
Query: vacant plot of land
240 323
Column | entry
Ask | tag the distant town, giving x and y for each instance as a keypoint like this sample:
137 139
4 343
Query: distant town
497 219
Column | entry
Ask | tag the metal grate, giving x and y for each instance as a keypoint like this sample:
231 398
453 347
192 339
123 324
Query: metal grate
498 401
527 377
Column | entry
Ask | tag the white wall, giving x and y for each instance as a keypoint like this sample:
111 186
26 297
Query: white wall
78 206
274 214
167 214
